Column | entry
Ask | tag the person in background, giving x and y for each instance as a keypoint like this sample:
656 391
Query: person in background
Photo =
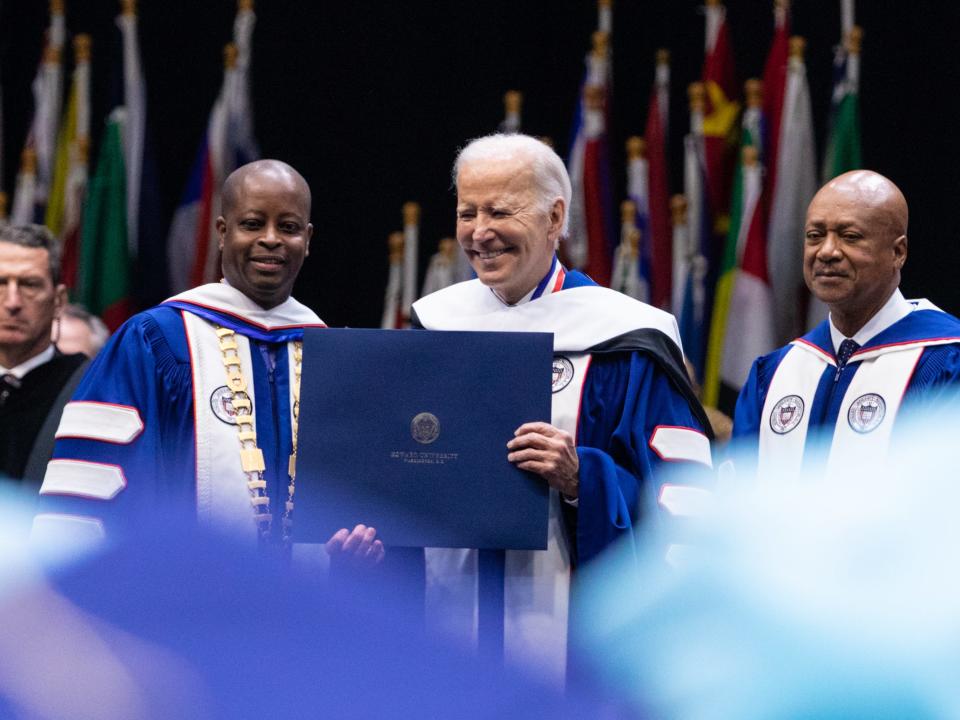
36 379
848 380
79 331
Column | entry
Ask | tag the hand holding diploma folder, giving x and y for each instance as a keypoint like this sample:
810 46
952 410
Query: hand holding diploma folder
407 432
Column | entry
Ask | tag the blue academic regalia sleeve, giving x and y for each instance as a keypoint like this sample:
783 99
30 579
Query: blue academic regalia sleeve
634 423
746 415
130 437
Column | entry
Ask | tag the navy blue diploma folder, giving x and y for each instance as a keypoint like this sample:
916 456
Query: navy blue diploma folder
406 430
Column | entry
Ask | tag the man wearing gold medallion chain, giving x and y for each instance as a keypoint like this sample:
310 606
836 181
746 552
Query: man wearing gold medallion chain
199 396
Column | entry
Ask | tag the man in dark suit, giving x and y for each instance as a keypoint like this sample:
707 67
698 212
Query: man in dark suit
36 379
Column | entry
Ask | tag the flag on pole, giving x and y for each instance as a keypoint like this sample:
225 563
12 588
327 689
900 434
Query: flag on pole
442 270
721 111
65 203
638 191
75 124
774 89
742 324
25 191
659 236
590 243
691 279
794 188
104 282
144 224
843 135
626 276
228 143
393 300
108 257
411 257
512 108
42 135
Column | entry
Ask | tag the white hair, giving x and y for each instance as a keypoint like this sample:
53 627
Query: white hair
549 172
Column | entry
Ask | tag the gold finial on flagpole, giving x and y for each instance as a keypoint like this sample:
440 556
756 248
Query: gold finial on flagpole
81 48
56 7
230 56
82 145
244 5
395 244
750 155
51 55
411 213
3 205
712 3
628 211
753 89
678 209
636 147
601 41
448 248
783 5
798 46
662 56
854 40
593 96
697 95
128 7
512 101
28 160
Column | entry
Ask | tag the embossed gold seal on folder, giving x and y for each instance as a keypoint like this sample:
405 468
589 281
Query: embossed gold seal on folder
425 428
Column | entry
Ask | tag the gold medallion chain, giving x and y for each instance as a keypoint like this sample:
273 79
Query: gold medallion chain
251 456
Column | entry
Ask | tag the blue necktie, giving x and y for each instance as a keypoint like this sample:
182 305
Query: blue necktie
847 348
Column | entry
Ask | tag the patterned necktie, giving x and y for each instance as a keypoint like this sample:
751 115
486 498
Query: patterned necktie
8 383
847 348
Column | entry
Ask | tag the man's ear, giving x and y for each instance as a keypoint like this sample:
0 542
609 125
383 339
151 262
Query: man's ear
900 251
59 299
221 231
558 213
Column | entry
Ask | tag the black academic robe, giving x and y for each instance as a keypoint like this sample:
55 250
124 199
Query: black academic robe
24 409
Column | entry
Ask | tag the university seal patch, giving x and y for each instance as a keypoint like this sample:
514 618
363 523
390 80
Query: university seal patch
866 413
425 428
221 402
562 373
786 414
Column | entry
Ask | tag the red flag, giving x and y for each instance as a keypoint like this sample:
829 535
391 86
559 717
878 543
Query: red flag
658 186
720 116
774 88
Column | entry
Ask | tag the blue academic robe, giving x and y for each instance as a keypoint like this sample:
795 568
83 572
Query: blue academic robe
934 336
146 367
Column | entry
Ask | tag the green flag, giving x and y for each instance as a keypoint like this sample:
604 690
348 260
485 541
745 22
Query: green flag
104 282
843 135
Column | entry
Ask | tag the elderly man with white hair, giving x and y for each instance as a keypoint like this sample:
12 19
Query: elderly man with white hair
622 406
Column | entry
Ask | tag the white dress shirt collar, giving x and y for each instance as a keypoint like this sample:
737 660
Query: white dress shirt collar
895 309
27 365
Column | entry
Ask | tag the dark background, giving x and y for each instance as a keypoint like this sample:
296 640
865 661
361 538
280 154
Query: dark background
370 101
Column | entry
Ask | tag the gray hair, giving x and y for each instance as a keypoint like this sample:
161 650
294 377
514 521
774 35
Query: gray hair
550 174
99 333
35 236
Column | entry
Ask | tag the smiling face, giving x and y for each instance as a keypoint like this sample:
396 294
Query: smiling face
506 233
29 302
855 246
265 231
